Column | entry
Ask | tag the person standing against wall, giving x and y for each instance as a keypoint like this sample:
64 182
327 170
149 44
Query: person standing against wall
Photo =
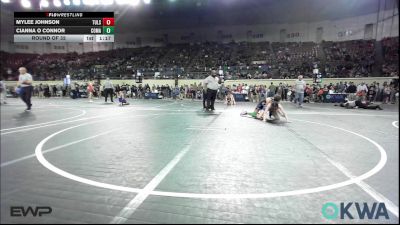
300 85
72 90
25 84
341 87
393 91
272 90
108 89
90 90
210 84
3 92
378 95
362 91
351 91
285 91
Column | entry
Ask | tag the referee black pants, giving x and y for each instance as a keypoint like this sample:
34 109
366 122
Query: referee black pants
211 96
204 99
26 94
108 91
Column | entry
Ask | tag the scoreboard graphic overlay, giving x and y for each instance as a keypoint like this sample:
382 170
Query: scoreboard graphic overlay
63 26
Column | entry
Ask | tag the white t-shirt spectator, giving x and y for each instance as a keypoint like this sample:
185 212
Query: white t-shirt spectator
25 77
300 86
362 88
212 82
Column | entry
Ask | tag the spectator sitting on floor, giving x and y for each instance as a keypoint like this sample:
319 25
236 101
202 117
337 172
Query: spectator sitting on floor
307 93
320 94
230 99
332 90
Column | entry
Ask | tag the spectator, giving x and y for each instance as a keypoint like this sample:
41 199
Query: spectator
300 85
90 90
272 90
371 94
3 92
331 90
351 91
341 87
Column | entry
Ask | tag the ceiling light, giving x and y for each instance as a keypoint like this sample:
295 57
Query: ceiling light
26 3
44 3
57 3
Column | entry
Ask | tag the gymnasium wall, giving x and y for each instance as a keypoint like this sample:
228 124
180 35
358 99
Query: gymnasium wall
333 30
385 23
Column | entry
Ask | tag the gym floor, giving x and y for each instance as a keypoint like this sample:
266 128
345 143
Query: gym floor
165 161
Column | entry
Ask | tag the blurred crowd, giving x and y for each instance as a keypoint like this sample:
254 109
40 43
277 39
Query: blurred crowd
244 60
350 58
374 92
390 67
385 92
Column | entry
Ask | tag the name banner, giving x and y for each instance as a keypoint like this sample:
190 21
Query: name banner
240 97
335 98
151 95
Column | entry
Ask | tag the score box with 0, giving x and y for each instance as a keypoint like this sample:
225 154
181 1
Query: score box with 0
108 30
108 21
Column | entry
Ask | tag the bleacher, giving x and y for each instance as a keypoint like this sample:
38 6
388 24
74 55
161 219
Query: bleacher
243 60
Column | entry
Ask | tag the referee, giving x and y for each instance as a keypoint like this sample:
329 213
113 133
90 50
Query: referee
108 89
25 83
210 84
